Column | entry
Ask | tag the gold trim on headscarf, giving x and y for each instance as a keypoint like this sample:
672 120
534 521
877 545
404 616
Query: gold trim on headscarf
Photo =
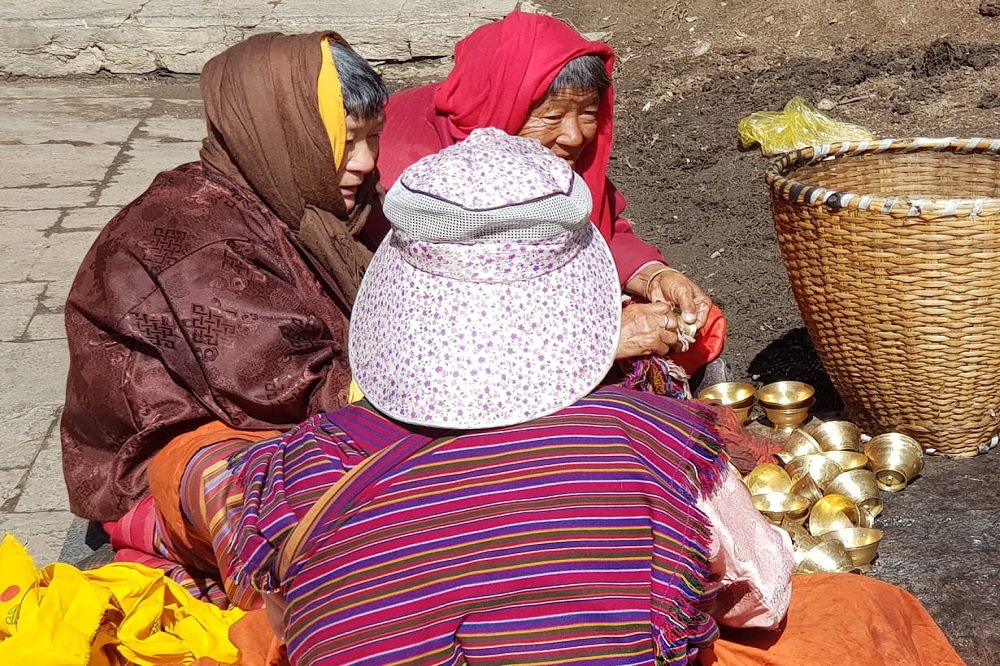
331 104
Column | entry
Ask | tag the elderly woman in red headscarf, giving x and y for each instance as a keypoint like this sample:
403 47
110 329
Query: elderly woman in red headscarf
534 76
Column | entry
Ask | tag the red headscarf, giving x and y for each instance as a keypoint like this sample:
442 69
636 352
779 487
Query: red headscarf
503 69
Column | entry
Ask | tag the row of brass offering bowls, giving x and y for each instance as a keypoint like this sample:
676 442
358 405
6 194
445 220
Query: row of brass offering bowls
827 494
786 403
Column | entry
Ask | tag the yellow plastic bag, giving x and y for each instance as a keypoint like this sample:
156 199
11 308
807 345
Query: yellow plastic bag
800 124
121 614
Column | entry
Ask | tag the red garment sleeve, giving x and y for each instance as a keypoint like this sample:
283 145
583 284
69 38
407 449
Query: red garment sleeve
629 251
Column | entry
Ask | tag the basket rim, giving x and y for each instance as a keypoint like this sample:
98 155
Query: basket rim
796 191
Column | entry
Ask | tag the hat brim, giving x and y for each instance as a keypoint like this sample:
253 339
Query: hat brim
440 352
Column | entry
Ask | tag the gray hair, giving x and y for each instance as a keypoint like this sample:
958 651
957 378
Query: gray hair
586 72
363 90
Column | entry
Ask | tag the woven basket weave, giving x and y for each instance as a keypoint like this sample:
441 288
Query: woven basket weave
893 253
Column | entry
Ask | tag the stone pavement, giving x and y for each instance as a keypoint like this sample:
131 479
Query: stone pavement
73 154
61 37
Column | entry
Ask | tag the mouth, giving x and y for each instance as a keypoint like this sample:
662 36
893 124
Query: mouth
569 159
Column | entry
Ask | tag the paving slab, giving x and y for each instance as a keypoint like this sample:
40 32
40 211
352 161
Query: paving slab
23 428
49 536
46 326
61 255
52 38
38 198
143 159
56 292
18 302
85 121
23 240
88 218
44 489
48 165
10 483
33 372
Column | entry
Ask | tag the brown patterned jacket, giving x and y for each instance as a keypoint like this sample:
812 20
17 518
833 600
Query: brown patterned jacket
195 303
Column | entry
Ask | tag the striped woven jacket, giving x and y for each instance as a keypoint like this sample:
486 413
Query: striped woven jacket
571 539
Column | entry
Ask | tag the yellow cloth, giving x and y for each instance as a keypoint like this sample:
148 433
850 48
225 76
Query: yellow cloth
121 614
331 104
354 392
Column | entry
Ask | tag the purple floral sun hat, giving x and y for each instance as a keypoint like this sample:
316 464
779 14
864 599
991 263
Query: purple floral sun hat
493 300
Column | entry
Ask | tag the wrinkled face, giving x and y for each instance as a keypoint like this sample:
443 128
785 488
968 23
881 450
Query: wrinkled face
565 122
360 154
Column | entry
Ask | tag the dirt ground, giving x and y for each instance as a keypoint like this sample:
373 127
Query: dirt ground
688 71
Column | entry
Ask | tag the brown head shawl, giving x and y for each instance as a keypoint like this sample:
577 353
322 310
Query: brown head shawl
266 133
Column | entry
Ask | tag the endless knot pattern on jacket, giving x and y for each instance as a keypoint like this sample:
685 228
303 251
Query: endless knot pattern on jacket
208 324
157 330
165 246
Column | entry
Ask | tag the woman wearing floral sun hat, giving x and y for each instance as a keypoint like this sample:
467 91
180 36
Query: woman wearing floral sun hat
488 503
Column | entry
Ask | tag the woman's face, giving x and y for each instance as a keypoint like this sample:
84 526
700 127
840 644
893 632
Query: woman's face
360 154
565 122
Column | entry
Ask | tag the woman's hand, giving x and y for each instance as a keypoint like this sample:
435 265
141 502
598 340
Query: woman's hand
648 328
671 286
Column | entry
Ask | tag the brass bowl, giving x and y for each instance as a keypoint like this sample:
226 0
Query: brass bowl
838 436
861 543
801 443
896 460
833 512
737 395
819 468
847 460
768 478
802 541
867 518
743 414
807 488
777 507
828 556
786 395
859 486
790 418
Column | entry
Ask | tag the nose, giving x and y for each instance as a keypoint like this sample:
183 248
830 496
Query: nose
572 134
362 158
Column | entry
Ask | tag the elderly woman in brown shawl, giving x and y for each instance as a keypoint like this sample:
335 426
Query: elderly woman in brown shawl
215 305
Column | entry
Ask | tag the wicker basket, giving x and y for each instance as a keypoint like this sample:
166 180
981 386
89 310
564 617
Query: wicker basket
893 253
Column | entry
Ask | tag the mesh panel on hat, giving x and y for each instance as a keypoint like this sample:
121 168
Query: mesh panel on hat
423 217
490 169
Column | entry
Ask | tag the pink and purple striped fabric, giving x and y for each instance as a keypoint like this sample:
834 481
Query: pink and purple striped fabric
573 538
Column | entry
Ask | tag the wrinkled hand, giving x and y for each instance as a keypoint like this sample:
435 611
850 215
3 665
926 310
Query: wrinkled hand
676 288
648 328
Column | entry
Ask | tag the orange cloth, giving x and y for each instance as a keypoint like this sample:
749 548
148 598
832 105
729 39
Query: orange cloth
836 620
166 471
708 344
256 642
